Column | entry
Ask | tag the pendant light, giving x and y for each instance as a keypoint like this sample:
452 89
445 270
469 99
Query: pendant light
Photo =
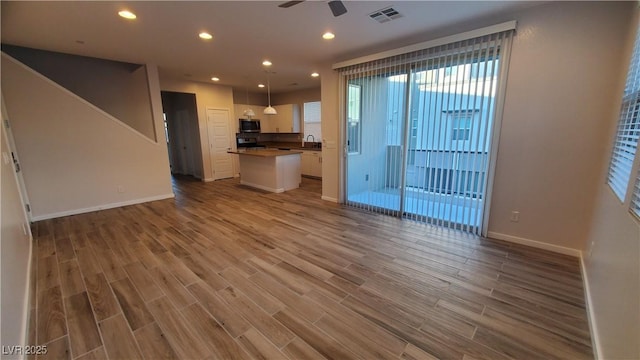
269 110
248 112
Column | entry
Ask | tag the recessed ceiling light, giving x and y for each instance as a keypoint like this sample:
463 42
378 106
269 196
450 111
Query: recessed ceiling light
215 78
266 63
260 85
328 35
205 35
315 74
127 14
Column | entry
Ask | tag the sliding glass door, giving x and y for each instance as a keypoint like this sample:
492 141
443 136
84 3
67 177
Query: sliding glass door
419 131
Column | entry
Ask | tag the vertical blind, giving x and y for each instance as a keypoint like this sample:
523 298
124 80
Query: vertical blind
628 131
419 127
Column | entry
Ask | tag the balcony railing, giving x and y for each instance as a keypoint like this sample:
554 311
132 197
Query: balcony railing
445 172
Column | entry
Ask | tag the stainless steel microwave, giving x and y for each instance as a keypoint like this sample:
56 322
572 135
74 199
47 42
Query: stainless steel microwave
249 126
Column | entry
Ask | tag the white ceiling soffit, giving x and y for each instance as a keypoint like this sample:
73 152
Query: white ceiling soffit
165 33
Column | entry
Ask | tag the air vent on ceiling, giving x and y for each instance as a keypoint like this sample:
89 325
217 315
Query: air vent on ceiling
384 15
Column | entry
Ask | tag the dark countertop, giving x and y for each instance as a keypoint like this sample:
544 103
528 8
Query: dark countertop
291 145
265 153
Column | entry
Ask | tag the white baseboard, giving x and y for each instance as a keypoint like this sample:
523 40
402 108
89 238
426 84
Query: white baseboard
535 244
102 207
595 337
327 198
209 180
261 187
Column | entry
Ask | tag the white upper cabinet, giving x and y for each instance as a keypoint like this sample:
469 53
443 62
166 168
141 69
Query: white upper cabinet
287 120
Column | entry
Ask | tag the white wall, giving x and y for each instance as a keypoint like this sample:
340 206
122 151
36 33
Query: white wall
75 157
15 249
612 263
207 96
562 77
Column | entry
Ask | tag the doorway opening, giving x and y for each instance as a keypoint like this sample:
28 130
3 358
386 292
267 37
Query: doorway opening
182 133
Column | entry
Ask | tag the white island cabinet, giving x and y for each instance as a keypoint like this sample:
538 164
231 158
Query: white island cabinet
270 170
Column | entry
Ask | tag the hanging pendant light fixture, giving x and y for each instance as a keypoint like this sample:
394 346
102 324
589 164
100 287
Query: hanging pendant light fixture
248 112
269 110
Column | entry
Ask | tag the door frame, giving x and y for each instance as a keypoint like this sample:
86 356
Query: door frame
8 137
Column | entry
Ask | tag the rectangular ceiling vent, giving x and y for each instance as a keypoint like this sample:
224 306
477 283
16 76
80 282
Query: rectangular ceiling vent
384 15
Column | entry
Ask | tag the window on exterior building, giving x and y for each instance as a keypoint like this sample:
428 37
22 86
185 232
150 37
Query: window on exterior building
354 110
628 131
461 126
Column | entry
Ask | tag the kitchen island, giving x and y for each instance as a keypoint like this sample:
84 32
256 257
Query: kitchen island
271 170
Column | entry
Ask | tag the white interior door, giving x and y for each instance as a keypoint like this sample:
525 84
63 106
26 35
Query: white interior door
219 143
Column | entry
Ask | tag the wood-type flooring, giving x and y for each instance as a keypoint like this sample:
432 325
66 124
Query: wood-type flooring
227 272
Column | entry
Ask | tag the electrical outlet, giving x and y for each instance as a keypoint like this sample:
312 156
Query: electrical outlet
366 177
121 189
515 216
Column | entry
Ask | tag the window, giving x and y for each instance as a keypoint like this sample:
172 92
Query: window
166 127
354 106
461 129
628 132
312 121
635 200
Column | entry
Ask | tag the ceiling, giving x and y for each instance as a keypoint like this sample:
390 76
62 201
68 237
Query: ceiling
165 33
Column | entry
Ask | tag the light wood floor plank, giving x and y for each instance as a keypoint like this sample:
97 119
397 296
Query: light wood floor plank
97 354
323 344
132 305
51 321
231 320
153 344
48 273
119 342
220 344
103 302
143 281
182 337
262 321
70 278
171 287
83 332
57 350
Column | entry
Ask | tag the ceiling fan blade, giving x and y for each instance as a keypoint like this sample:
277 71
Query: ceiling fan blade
289 4
337 7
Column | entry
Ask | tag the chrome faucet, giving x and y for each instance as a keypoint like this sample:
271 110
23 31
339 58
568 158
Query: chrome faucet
312 137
